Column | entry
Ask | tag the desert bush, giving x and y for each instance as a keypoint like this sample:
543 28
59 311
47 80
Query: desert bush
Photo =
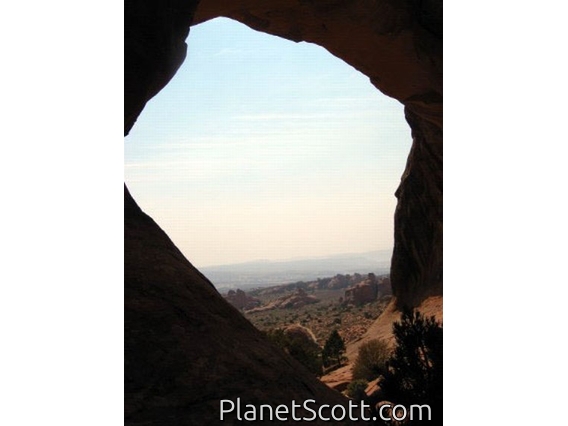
356 389
371 360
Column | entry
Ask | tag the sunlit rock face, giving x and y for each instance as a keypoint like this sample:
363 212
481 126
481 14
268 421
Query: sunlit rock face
185 347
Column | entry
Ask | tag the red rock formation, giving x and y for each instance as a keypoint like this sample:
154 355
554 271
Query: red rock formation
240 300
364 292
293 301
298 299
339 281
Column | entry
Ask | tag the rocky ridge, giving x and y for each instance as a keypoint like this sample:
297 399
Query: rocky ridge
294 301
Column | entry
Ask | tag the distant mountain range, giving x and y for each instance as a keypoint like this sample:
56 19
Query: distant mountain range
264 273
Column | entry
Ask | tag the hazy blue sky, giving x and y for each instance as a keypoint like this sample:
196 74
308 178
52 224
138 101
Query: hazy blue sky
261 148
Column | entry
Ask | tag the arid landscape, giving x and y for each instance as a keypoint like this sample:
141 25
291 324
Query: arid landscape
341 329
321 306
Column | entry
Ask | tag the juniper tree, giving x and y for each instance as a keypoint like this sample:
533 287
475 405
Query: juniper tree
333 349
414 371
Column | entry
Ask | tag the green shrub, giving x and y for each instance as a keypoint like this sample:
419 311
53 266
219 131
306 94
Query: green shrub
356 389
371 360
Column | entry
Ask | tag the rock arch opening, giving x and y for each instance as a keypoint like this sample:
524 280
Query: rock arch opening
261 148
185 347
398 45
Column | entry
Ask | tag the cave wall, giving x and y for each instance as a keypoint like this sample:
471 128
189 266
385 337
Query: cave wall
185 347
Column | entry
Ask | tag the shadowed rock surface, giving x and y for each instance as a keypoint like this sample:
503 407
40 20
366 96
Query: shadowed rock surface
185 347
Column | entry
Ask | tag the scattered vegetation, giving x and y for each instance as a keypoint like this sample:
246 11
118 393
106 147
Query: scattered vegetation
322 318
